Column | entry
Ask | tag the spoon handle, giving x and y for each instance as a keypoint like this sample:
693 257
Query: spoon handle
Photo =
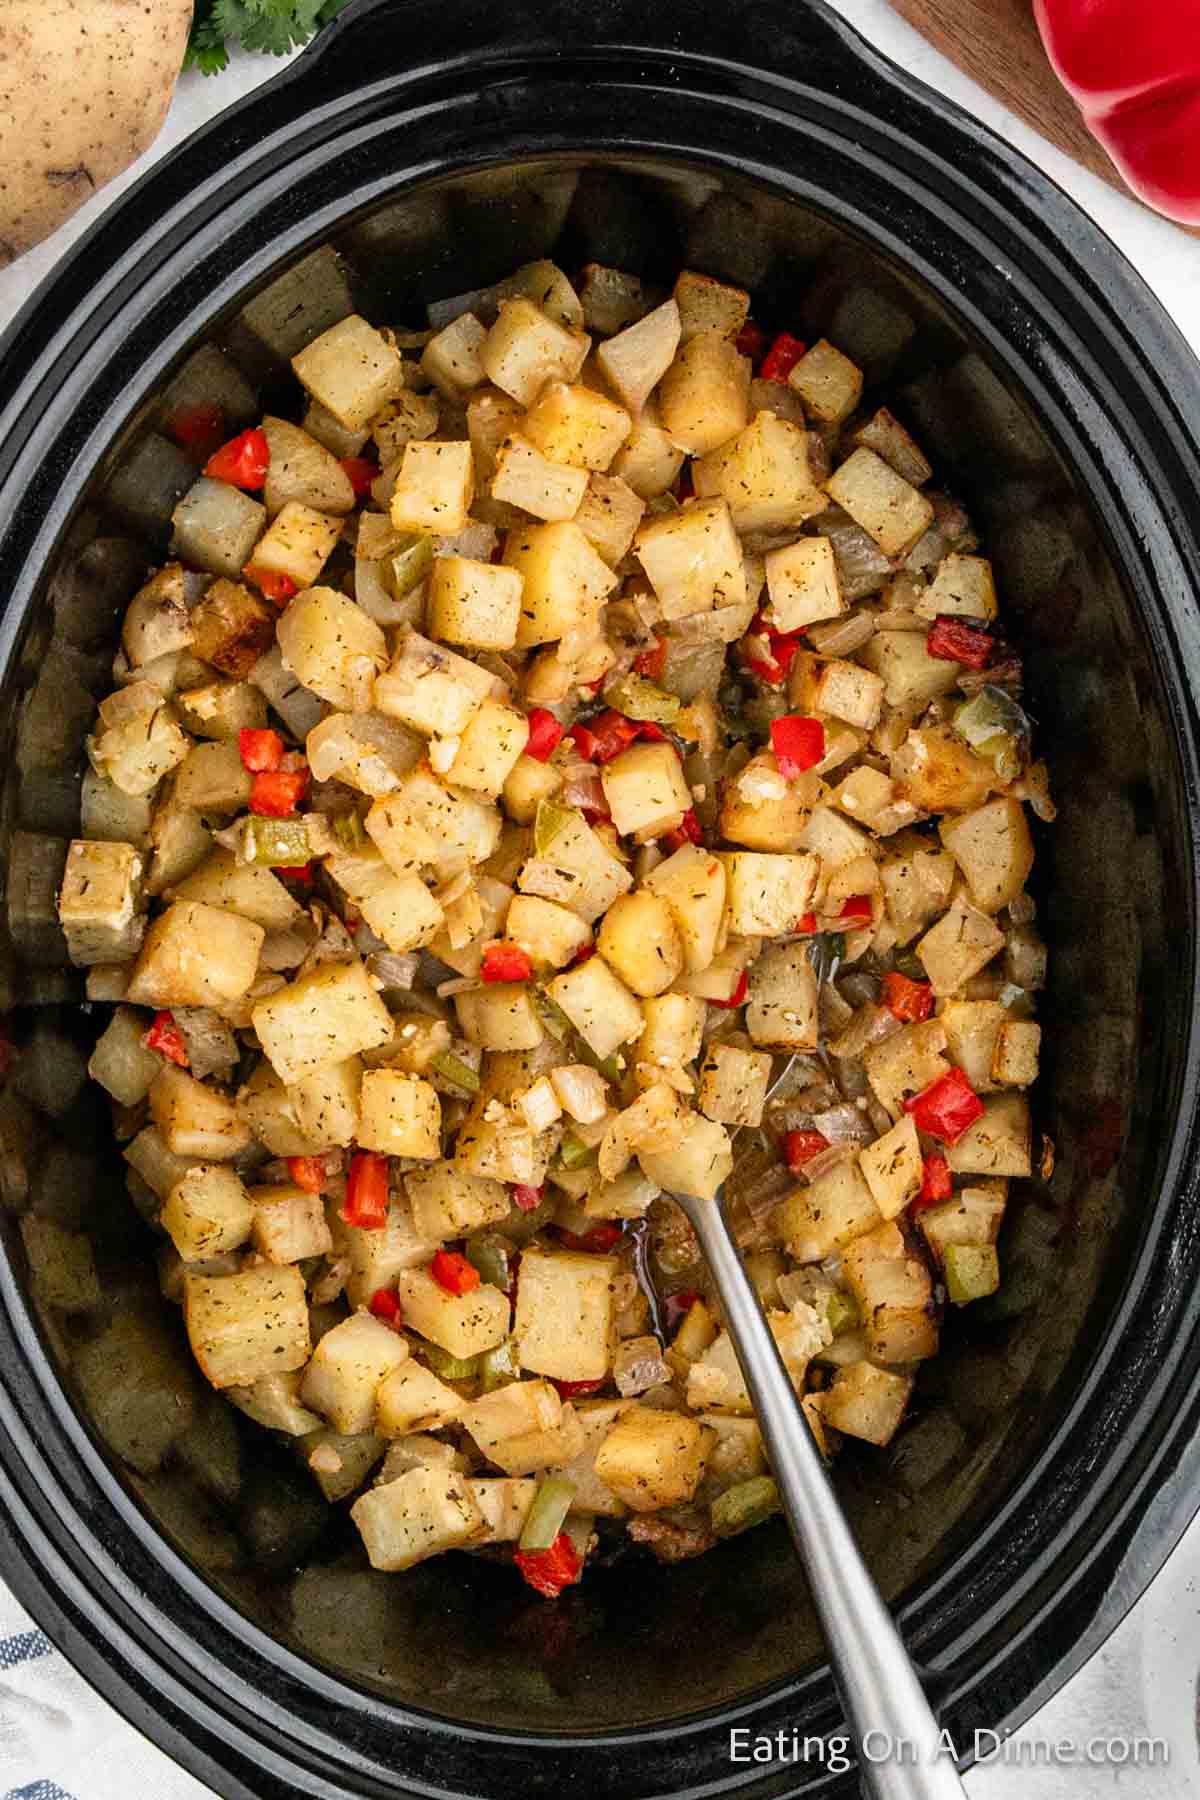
890 1719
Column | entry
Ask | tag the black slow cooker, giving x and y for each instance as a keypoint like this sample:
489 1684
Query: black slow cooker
419 150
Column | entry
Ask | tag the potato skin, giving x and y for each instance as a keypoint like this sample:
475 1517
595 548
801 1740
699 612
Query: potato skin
84 88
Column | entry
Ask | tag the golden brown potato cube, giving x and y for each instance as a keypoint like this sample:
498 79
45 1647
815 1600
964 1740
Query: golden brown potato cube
552 935
766 474
911 677
768 895
866 1402
962 942
403 913
972 1032
733 1084
698 1165
906 1063
636 359
99 902
489 749
323 1017
450 360
346 1369
693 884
884 434
434 488
431 688
782 999
157 622
244 888
564 1322
894 1292
972 1217
476 604
298 543
526 348
526 478
816 1220
692 559
500 1016
195 1120
446 1203
232 627
994 850
222 709
998 1143
963 585
703 398
609 515
141 740
652 1459
302 469
512 1411
936 771
671 1038
332 647
706 304
763 811
196 955
400 1115
892 1167
846 691
802 581
647 461
289 1224
640 940
887 507
829 384
646 790
577 426
1015 1062
207 1212
463 1324
326 1103
422 1513
598 1004
352 370
245 1327
411 1398
565 581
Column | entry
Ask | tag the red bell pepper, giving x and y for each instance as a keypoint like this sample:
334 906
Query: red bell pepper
301 872
781 648
946 1108
799 1147
798 743
165 1036
858 906
1134 72
275 587
579 1390
688 831
651 663
451 1270
260 751
781 358
910 1001
276 793
597 1241
362 472
605 736
505 962
527 1198
958 640
737 996
197 429
307 1172
366 1203
242 462
548 1572
545 734
936 1184
806 924
384 1305
751 341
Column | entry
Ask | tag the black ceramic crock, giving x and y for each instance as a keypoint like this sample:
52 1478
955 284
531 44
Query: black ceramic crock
421 149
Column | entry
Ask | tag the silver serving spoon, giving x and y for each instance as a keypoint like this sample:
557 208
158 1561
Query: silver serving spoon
885 1705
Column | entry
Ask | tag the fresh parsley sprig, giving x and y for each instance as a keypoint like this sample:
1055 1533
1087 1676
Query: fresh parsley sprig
271 26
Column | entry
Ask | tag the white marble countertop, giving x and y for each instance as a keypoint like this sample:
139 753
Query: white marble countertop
1143 1683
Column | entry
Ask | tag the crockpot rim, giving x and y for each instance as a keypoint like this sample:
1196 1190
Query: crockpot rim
124 215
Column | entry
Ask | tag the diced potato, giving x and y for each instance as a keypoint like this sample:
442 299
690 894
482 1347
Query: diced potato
149 1158
598 1004
609 515
526 348
403 913
994 850
274 1401
998 1143
782 999
911 677
431 688
417 1516
640 941
646 790
550 934
654 1121
763 811
647 461
513 1411
99 902
340 1463
141 740
546 1449
564 1322
347 1367
887 507
733 1084
352 370
108 813
671 1039
884 434
845 690
578 871
564 580
212 779
693 884
892 1167
411 1398
500 1016
869 797
289 1224
222 709
723 976
636 359
268 1110
332 647
526 478
244 888
446 1203
538 1105
906 1063
377 1257
302 469
491 418
610 298
216 527
195 1120
476 604
424 822
699 1165
435 486
576 426
703 397
652 1459
596 1419
962 942
816 1220
626 1196
527 784
962 586
323 1017
803 583
829 384
692 559
366 750
706 304
245 1327
1015 1062
298 543
866 1402
207 1212
196 955
766 474
768 895
917 879
121 1062
320 424
488 751
450 360
400 1115
157 620
972 1216
463 1324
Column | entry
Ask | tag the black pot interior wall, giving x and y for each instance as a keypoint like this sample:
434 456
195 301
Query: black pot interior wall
459 1637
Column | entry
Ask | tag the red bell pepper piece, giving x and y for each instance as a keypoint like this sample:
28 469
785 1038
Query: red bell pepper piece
242 462
505 962
261 751
858 906
799 1147
165 1036
1134 72
806 924
688 831
947 1107
798 743
737 996
578 1390
545 734
959 640
275 587
451 1270
936 1184
276 793
384 1305
197 429
751 341
300 872
651 663
366 1203
597 1241
527 1198
362 472
909 1000
605 736
548 1572
781 358
307 1172
781 650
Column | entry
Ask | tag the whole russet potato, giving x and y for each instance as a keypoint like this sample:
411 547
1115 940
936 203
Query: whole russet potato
84 88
